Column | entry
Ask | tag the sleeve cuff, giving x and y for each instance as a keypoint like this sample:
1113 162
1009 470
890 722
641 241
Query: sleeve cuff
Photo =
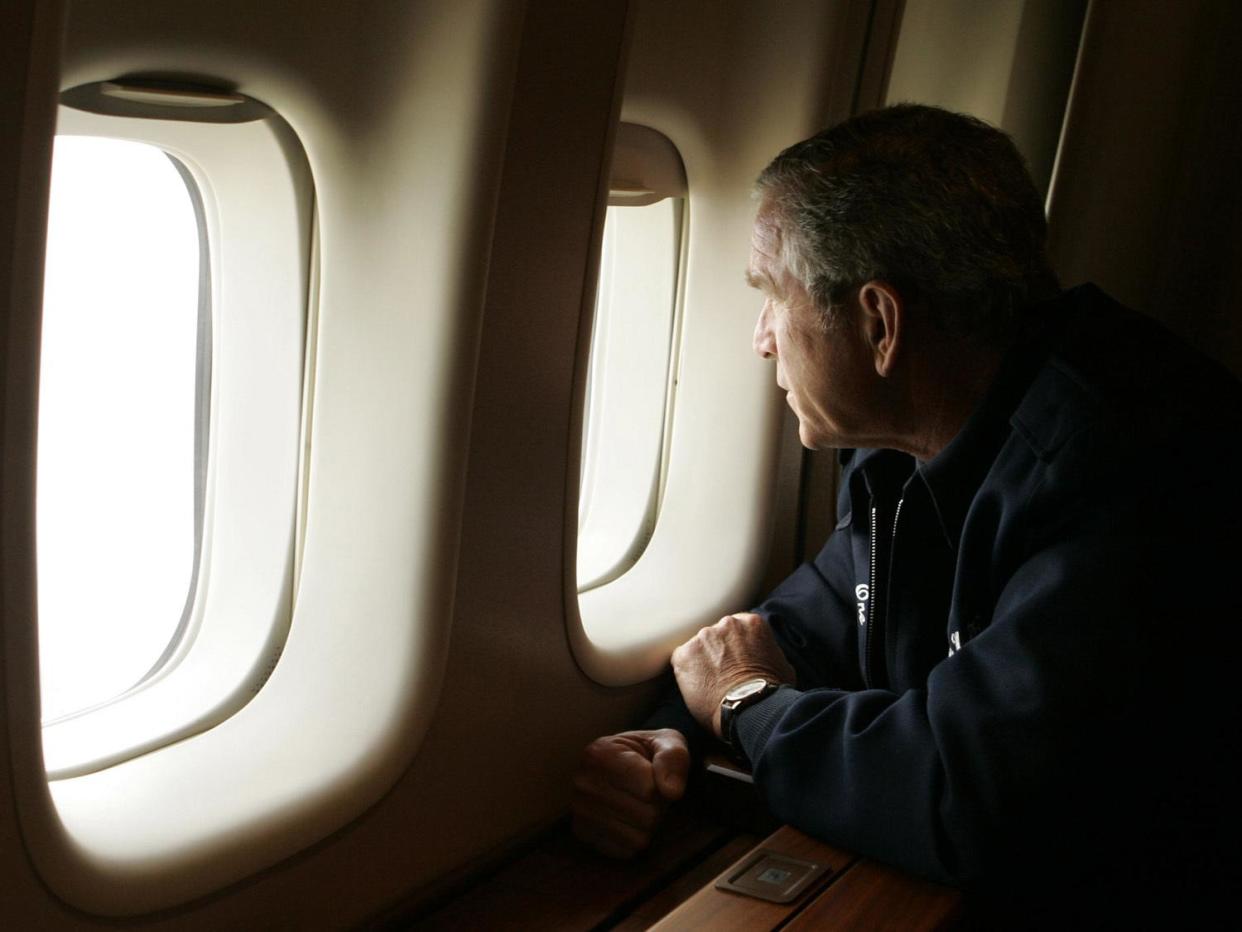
754 724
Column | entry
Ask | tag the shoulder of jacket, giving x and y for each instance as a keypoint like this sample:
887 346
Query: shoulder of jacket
1057 407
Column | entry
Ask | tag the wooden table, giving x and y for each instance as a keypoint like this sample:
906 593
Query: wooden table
855 893
558 884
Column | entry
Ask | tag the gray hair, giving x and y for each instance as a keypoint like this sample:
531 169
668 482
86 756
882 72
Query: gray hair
938 204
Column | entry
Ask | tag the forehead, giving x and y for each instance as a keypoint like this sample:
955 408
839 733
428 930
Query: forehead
765 267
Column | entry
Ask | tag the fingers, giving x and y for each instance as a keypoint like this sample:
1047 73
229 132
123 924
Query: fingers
670 762
749 618
593 796
620 792
624 762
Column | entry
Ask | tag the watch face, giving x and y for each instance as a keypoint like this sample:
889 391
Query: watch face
749 688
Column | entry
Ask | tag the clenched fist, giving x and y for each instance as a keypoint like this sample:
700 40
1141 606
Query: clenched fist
623 785
735 649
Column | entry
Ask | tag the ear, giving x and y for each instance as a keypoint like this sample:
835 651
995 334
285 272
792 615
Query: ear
883 318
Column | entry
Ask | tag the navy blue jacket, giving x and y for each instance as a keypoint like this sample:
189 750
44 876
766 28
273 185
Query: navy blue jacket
1016 659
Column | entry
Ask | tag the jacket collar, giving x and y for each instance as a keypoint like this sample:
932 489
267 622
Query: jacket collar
953 477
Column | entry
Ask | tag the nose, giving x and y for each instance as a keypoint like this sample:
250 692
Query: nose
764 342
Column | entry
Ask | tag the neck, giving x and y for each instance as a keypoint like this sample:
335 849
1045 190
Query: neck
942 388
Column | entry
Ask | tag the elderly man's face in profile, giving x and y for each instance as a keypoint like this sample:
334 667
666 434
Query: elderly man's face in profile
825 370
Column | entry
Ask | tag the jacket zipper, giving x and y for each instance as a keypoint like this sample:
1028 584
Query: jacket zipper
872 595
874 592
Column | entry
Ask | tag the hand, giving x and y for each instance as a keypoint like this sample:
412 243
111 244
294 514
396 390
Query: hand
623 785
735 649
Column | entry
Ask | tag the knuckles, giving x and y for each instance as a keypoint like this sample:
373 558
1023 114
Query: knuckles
597 754
604 763
744 622
678 653
583 783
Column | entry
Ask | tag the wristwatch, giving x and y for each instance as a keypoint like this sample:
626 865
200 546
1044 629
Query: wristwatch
744 694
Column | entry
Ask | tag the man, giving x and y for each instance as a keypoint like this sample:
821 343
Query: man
1010 663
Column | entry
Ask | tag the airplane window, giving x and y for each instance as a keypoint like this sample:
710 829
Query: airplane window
171 424
631 363
118 448
628 384
671 519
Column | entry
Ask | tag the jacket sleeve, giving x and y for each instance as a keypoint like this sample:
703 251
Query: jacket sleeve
813 620
813 623
811 613
1022 739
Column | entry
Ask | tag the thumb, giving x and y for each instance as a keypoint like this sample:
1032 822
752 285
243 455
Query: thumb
670 762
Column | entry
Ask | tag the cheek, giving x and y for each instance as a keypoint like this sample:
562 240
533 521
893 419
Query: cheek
806 364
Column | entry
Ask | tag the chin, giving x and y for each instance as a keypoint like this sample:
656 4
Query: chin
814 438
810 439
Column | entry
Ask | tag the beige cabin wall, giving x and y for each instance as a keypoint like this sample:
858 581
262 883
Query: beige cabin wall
1147 198
1008 62
29 64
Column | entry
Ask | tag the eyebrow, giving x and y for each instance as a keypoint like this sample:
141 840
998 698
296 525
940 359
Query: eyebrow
755 280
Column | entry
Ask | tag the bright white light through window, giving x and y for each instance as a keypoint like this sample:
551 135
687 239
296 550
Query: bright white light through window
116 457
627 388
